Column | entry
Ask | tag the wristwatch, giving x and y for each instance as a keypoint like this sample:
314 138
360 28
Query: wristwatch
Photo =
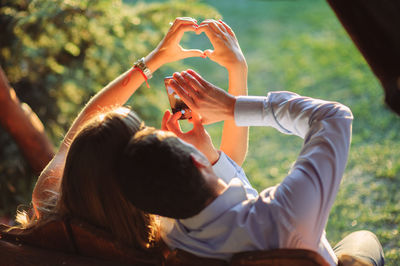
142 66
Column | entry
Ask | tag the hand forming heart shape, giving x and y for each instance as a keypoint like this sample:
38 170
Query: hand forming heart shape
226 50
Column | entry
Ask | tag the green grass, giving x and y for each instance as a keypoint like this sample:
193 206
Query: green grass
300 46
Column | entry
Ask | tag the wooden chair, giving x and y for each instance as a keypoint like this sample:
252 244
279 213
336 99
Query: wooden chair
21 254
72 242
279 257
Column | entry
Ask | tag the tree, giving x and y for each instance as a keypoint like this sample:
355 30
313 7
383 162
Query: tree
57 54
25 127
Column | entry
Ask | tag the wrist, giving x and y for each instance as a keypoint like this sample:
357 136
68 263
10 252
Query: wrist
239 65
229 111
238 80
153 61
238 68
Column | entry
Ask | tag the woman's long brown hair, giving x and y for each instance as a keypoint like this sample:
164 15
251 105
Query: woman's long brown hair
89 188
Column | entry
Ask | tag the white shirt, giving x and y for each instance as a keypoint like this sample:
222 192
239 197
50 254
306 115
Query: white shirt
292 214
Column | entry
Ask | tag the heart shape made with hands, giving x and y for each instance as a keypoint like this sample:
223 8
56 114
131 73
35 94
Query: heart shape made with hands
225 47
196 41
217 33
226 53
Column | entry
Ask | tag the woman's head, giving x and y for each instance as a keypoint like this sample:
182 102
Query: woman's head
89 189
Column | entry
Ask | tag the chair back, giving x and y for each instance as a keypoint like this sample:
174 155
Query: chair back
70 240
63 242
278 257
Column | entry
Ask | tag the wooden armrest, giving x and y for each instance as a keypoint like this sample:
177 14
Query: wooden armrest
278 257
25 255
298 257
180 257
81 242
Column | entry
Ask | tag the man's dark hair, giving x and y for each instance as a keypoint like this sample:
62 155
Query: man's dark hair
157 175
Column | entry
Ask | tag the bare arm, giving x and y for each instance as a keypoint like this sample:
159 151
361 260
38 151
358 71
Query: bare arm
235 139
228 54
113 95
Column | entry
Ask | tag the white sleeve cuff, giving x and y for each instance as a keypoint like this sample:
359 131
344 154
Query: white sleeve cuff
224 169
250 110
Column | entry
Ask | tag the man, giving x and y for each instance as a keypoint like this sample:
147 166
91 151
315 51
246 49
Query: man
216 217
215 210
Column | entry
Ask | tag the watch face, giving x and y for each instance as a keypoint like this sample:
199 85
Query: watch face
147 72
177 104
142 66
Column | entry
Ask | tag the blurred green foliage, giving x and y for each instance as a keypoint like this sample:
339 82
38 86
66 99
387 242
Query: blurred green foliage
58 53
301 46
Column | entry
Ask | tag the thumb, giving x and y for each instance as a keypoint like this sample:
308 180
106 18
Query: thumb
192 53
196 120
173 125
167 115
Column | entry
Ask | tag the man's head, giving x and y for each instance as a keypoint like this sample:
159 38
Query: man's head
163 175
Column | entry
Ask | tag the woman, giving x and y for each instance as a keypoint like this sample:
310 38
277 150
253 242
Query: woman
79 182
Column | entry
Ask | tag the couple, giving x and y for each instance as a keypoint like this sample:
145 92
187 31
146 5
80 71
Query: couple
116 173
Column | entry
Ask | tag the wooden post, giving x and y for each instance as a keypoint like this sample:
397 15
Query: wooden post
24 126
374 27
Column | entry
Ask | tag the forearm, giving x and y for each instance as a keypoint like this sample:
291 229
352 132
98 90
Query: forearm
112 96
314 179
234 140
286 111
306 195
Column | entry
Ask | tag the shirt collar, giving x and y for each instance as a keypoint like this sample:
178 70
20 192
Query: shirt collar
234 194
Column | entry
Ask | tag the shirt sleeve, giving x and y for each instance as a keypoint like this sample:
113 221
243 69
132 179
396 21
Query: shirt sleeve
305 197
226 169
